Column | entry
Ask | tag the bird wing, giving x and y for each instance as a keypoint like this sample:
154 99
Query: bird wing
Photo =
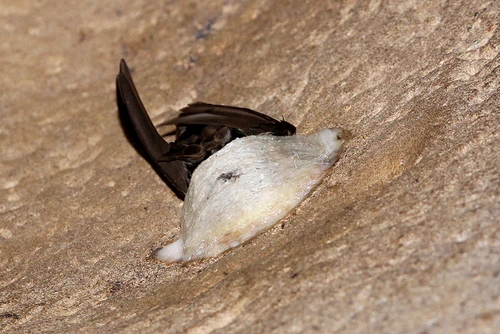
143 134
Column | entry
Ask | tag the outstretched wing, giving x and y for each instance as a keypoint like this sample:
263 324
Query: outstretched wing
247 121
141 131
201 130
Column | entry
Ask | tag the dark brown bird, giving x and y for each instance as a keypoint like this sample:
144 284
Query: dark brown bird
201 130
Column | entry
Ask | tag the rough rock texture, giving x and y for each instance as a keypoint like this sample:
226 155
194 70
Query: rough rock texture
402 237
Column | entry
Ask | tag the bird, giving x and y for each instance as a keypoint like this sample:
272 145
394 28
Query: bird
238 171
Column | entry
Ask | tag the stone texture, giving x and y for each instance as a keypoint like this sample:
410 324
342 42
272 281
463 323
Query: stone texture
402 237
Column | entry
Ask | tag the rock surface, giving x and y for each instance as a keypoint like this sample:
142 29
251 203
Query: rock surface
402 237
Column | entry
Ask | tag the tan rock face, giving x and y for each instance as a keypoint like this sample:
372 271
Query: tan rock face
403 236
